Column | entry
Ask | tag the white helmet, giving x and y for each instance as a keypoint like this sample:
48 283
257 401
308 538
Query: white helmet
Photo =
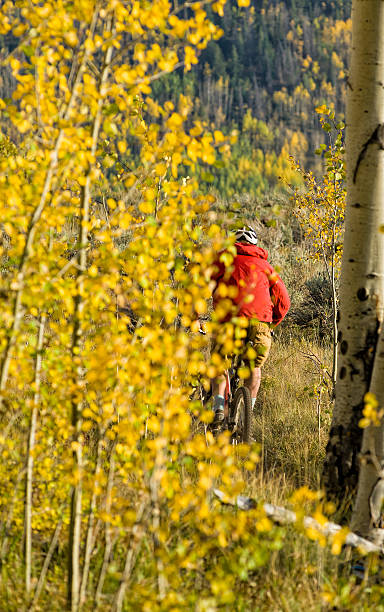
246 233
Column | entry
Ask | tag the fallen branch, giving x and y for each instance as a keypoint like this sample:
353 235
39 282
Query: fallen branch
283 516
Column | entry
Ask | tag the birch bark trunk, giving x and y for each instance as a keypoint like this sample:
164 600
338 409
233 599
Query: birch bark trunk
74 540
367 512
30 461
362 288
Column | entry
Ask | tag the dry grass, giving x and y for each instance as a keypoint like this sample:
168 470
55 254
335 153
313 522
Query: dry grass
286 419
292 450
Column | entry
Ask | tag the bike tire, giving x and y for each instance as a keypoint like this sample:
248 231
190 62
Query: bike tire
240 415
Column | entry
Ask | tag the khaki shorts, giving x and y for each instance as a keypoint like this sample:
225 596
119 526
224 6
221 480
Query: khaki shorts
260 339
256 345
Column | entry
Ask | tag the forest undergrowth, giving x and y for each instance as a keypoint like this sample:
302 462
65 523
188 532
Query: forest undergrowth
108 247
285 569
225 559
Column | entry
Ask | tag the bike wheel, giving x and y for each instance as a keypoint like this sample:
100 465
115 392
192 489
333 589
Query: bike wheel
240 416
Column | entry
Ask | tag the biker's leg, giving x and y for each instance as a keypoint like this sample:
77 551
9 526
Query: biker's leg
218 385
253 383
259 337
218 391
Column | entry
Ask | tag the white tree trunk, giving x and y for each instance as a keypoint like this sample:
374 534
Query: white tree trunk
74 577
29 461
367 512
362 289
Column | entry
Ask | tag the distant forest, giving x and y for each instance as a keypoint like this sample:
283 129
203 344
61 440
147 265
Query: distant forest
275 63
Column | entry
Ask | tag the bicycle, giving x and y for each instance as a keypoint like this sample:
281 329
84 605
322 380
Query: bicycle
237 406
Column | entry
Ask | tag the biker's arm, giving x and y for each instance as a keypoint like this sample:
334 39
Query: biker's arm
280 300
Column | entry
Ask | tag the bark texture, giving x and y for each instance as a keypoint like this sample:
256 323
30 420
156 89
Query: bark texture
29 461
362 290
74 573
367 517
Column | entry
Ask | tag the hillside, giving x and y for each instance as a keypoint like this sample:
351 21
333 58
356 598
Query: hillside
275 62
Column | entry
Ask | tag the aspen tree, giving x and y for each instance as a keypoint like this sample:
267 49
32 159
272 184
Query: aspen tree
91 528
29 462
362 276
81 140
367 511
74 582
320 210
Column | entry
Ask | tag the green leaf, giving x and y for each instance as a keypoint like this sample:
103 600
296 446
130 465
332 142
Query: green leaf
219 163
111 109
208 177
320 150
28 50
151 220
108 161
271 222
110 128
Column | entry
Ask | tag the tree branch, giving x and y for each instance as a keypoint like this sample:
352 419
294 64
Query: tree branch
283 516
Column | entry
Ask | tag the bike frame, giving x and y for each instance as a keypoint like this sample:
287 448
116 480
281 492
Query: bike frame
231 382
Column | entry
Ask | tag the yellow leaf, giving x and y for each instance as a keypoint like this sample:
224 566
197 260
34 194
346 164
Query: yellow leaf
174 121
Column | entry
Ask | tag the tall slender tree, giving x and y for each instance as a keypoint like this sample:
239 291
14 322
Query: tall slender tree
362 277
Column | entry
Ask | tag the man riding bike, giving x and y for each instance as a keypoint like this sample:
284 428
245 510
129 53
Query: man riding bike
254 296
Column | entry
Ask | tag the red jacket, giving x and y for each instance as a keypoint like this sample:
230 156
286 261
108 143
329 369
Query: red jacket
261 294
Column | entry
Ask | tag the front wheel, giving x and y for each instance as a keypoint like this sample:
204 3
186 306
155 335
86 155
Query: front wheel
240 416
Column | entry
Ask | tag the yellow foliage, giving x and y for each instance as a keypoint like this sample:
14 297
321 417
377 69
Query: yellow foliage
101 246
320 207
372 415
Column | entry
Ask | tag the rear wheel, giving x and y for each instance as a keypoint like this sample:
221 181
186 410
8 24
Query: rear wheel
240 416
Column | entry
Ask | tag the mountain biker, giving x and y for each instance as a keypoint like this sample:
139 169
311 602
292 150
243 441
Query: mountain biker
249 290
